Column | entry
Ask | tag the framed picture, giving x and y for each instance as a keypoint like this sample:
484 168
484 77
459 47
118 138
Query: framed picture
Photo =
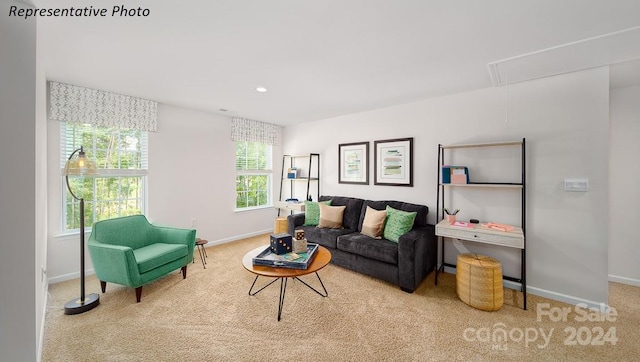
393 163
353 163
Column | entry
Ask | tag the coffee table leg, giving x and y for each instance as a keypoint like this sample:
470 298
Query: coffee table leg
283 290
314 289
258 291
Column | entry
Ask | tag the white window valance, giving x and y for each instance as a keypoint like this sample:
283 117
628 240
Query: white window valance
248 130
70 103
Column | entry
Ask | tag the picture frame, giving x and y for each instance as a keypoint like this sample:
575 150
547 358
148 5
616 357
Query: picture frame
353 163
393 162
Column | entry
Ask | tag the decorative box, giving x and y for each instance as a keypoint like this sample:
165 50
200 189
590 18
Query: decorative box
299 234
281 243
297 261
455 175
299 245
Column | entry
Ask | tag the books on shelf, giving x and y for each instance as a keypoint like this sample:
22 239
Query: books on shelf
455 174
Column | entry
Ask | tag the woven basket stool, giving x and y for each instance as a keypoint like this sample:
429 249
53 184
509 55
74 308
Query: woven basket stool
280 225
479 281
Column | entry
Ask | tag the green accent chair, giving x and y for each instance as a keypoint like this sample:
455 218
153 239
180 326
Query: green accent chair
130 251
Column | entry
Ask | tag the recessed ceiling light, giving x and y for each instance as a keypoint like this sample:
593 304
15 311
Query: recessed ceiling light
261 89
223 110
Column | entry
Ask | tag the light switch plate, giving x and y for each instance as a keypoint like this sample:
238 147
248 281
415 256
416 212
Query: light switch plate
576 184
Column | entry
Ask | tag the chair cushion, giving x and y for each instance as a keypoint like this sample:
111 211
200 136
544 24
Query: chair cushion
152 256
132 231
323 236
378 249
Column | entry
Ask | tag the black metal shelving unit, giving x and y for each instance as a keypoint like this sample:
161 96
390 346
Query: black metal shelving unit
440 202
312 175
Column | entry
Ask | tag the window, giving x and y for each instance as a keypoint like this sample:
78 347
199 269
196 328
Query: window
121 155
253 175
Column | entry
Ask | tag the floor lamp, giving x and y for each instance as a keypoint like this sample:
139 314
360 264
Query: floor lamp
80 167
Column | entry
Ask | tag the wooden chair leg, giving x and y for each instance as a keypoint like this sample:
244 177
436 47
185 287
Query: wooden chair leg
184 272
103 286
138 294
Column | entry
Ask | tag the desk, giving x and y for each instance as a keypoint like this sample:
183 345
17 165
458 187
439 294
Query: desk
480 234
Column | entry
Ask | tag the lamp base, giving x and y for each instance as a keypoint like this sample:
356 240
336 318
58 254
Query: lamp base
76 306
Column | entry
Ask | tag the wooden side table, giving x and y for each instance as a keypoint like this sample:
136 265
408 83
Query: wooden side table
200 243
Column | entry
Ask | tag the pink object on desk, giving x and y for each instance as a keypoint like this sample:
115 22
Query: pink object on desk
450 218
463 224
496 226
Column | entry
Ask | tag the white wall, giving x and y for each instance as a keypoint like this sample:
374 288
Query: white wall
22 297
624 254
191 177
41 180
565 122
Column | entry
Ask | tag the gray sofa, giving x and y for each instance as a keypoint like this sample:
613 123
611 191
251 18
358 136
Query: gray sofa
404 264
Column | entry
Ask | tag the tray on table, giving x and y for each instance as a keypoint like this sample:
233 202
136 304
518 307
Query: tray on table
269 258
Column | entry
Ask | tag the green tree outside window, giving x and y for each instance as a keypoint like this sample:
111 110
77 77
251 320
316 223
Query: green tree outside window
253 174
121 156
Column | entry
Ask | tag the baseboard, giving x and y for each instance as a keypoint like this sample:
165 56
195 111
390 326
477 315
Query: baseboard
569 299
238 237
70 276
624 280
42 322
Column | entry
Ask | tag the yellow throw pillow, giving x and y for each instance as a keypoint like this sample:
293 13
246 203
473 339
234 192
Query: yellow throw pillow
373 223
331 216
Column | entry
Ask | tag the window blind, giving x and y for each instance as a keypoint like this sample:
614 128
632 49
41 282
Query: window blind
249 130
70 103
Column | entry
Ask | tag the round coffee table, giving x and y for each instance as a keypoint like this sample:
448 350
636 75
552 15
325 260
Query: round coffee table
320 260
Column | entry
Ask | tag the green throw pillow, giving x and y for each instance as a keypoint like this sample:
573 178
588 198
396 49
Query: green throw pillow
398 223
312 212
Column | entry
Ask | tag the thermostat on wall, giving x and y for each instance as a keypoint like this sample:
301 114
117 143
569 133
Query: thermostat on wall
576 184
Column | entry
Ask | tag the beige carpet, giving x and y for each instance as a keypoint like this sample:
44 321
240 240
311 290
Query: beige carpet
210 317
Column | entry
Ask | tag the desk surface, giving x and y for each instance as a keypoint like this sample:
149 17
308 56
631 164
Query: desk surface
480 234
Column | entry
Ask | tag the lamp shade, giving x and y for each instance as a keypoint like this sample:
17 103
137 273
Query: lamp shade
80 166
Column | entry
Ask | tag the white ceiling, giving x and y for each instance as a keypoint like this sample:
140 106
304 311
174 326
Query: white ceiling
318 59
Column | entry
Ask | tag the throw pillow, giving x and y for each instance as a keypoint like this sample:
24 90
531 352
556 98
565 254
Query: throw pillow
331 216
373 223
312 212
398 223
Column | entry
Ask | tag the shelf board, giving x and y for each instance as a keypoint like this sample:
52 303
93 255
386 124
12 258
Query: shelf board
295 206
488 144
301 178
488 185
301 156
